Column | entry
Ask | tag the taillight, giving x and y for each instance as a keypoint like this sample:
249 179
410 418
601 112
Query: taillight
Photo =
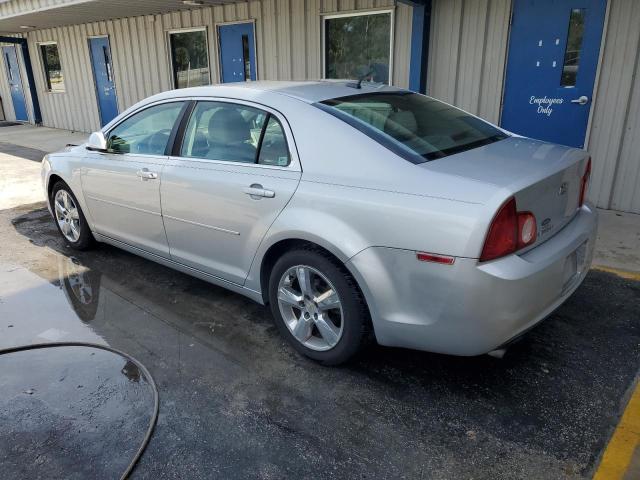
584 184
509 231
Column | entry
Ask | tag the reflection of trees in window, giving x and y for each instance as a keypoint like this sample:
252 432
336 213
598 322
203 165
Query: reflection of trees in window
574 46
190 59
52 68
356 45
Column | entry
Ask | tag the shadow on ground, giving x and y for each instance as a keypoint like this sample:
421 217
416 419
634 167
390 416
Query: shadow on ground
237 402
22 152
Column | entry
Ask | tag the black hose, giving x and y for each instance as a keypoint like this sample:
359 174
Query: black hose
156 400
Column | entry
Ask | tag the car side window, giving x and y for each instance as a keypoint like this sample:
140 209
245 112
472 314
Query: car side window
223 131
274 149
146 132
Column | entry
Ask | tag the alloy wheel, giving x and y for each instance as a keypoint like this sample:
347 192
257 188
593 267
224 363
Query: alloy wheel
67 215
310 307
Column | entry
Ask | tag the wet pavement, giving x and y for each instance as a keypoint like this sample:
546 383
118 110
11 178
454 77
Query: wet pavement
71 412
237 402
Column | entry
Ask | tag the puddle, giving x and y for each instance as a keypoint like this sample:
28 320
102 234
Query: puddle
70 412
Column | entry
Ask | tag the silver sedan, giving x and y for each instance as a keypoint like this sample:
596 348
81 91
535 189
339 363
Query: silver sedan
356 211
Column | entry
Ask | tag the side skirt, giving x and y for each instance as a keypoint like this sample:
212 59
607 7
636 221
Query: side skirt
194 272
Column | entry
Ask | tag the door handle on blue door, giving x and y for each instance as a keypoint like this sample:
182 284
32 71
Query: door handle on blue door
145 174
582 100
256 191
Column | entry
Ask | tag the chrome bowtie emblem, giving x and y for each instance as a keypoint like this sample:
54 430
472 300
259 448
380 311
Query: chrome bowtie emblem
563 188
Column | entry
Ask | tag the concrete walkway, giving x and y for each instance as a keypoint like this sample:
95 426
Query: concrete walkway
617 247
40 138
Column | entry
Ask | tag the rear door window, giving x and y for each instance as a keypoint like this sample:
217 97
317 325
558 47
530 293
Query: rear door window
273 149
414 126
236 133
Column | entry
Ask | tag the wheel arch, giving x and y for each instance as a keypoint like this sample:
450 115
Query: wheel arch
51 181
281 246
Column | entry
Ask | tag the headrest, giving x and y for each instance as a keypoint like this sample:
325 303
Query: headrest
401 125
226 126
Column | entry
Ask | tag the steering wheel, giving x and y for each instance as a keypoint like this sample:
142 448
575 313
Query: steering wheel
154 143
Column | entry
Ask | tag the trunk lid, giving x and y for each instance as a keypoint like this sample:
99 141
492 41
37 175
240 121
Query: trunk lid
544 178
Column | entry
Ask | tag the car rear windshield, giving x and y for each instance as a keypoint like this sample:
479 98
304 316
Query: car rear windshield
416 127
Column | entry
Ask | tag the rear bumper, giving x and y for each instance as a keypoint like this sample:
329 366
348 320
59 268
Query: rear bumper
470 308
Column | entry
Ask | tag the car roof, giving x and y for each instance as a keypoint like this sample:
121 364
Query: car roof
311 91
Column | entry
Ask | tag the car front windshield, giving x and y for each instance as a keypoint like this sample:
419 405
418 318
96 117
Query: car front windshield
416 127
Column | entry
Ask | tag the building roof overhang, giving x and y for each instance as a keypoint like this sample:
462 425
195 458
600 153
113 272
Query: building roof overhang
15 15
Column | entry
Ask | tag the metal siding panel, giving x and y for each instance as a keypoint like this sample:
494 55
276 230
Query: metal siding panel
270 71
229 12
314 39
467 54
298 40
283 39
255 11
495 55
444 49
626 187
402 45
613 115
471 56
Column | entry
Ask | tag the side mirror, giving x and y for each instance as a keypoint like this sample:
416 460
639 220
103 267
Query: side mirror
97 142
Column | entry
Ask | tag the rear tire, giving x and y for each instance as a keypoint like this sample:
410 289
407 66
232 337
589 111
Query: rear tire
317 306
69 218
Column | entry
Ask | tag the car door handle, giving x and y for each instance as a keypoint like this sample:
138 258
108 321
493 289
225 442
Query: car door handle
145 174
582 100
257 191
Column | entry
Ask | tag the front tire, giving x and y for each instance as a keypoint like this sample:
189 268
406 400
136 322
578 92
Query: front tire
318 306
69 217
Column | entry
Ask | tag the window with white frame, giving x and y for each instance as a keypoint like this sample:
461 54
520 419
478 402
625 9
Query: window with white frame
359 46
52 68
189 58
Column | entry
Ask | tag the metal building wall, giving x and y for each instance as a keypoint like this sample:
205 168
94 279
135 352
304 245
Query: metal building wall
288 44
467 59
614 139
467 54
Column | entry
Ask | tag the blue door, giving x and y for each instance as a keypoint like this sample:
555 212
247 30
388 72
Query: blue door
551 68
15 84
103 78
237 52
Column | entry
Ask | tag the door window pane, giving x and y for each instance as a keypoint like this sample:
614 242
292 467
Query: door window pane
52 68
190 59
274 150
357 46
574 48
146 132
223 131
245 58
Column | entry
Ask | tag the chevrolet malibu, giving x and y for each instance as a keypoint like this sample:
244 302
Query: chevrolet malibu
355 211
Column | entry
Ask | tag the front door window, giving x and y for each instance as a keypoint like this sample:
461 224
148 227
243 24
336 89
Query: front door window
146 132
